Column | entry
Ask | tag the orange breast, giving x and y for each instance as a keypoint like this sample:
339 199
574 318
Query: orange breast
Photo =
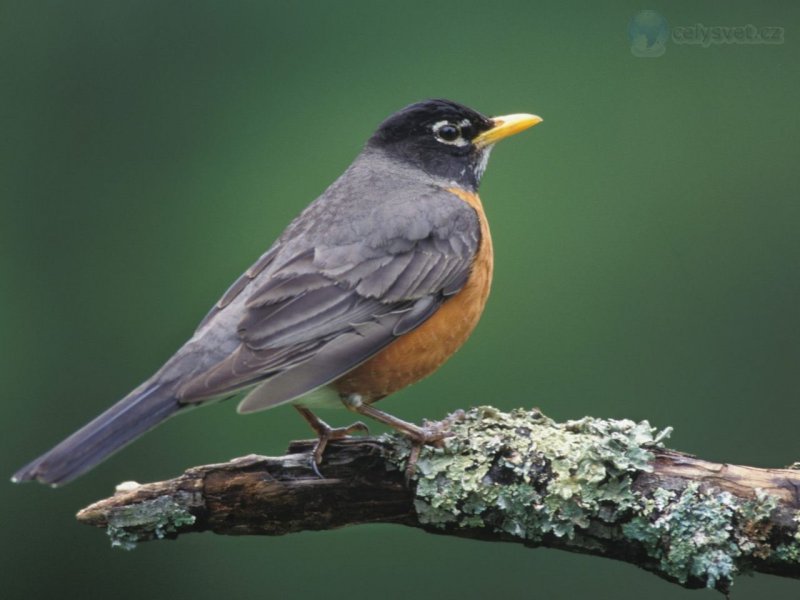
419 353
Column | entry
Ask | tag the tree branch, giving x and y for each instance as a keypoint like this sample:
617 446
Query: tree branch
593 486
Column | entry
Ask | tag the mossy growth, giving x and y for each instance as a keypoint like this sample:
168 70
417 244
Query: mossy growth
151 519
703 533
791 552
522 474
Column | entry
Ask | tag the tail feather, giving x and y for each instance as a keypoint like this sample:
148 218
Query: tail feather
140 411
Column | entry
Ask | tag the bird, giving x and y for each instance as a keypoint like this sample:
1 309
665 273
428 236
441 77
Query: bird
370 289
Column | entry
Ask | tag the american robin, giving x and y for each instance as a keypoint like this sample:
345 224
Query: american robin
373 287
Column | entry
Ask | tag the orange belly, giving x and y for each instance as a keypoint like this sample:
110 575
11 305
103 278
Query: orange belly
419 353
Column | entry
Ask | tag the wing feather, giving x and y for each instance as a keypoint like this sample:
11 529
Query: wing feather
328 299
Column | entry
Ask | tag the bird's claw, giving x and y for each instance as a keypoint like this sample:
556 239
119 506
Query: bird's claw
430 434
326 433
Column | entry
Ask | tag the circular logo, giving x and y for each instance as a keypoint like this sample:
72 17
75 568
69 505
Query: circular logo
648 33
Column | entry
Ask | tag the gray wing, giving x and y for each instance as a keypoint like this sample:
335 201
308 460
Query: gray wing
342 283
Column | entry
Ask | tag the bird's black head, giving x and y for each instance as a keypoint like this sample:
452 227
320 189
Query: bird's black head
437 136
446 139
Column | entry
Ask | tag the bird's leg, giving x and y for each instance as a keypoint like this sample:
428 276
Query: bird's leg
325 433
430 433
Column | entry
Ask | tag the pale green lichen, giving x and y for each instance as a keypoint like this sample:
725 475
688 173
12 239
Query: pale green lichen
522 474
791 552
587 473
702 533
151 519
691 534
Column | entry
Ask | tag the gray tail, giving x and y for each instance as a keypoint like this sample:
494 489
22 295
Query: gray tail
138 412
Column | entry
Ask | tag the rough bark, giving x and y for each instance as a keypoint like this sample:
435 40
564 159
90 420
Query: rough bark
593 486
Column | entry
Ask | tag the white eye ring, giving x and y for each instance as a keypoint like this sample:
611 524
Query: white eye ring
458 141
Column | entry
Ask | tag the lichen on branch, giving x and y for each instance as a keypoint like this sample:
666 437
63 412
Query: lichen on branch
598 486
526 475
523 474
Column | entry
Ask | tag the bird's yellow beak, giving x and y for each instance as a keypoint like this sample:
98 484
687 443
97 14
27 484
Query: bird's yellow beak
505 126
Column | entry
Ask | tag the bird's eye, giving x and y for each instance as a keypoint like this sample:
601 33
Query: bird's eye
449 133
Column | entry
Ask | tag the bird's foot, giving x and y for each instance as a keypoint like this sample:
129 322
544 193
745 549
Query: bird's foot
429 434
432 433
326 433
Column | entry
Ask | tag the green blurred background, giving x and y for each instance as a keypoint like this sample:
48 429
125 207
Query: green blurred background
646 240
